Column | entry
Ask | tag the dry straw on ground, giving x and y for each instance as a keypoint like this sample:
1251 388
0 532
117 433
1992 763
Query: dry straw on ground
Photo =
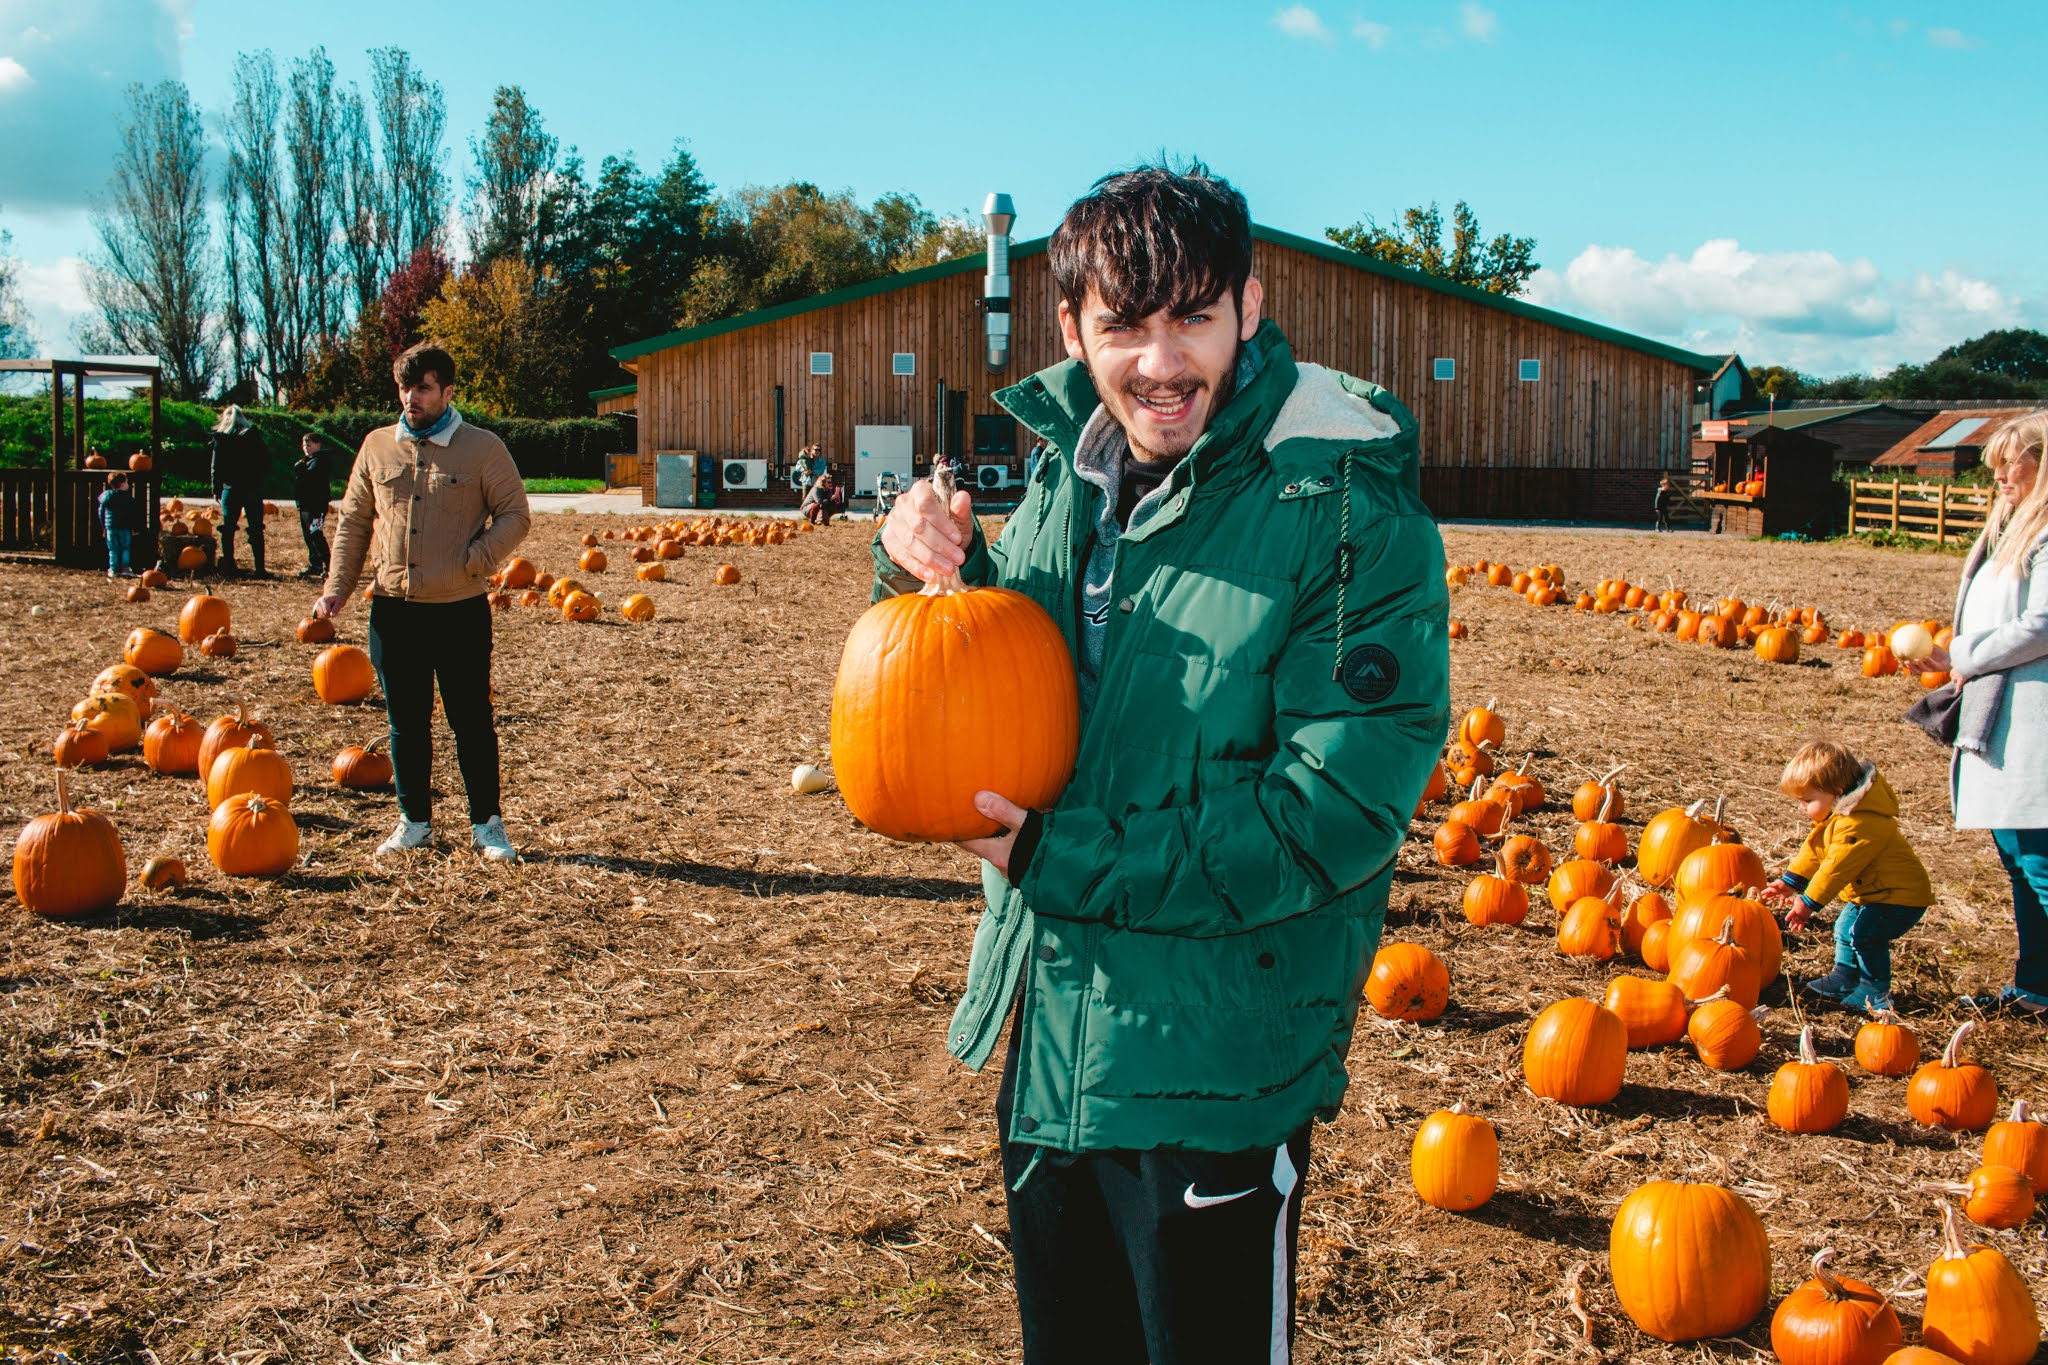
674 1089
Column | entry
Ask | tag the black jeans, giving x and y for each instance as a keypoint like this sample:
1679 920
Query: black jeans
235 504
1169 1256
316 538
413 645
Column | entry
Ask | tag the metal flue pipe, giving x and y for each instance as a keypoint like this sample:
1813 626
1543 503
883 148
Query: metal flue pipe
999 214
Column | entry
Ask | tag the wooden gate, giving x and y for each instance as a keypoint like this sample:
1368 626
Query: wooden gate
1941 512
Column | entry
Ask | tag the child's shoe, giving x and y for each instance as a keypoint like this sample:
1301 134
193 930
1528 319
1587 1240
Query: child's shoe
1837 984
1868 997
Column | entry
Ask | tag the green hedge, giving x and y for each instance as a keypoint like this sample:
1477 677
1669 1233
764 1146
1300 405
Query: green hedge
561 448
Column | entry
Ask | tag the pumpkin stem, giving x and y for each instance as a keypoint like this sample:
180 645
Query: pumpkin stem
1759 1012
1606 802
1807 1055
1952 1247
1727 936
1459 1108
371 747
2021 1112
945 485
1830 1286
63 793
1720 804
1952 1055
1721 994
1609 775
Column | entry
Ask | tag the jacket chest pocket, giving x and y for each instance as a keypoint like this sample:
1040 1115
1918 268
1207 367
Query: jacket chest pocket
1199 665
1229 618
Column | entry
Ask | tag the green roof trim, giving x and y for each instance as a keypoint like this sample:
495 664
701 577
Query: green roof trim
617 391
1328 251
959 265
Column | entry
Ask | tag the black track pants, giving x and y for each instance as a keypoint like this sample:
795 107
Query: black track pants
414 645
1170 1257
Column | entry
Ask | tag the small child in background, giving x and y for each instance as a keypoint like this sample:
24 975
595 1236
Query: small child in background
1856 852
117 519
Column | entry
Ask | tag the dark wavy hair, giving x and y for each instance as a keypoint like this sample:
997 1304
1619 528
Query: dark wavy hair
1155 236
416 362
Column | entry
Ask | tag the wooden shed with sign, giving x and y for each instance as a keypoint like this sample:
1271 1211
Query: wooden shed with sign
1524 411
1763 480
54 510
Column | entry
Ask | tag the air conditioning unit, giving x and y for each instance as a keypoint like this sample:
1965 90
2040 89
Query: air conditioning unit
745 474
992 476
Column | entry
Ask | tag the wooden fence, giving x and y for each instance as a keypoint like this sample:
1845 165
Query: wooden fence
1932 511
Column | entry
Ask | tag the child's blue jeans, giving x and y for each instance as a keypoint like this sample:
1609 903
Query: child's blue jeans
119 542
1864 934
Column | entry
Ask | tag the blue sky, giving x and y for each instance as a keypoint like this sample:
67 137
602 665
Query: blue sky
1831 186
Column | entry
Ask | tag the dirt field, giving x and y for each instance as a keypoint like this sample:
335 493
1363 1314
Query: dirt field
674 1088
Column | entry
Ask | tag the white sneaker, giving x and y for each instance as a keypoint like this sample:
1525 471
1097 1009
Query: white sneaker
410 835
489 839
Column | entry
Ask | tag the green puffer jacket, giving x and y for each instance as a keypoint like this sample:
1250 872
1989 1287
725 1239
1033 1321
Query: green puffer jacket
1200 910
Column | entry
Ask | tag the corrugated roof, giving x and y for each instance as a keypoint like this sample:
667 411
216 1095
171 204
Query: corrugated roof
616 391
1908 450
1325 250
1800 417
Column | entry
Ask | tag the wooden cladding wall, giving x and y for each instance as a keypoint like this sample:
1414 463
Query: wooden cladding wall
1597 405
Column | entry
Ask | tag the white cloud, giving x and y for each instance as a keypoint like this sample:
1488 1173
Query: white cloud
1808 309
1374 35
1299 21
1478 21
1952 38
1899 28
58 287
64 84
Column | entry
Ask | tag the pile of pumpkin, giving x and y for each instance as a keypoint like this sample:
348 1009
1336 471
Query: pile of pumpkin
1717 950
71 863
1729 623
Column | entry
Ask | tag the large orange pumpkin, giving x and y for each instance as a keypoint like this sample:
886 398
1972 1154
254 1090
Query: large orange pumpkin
518 573
1576 1053
79 746
1978 1308
2020 1142
252 836
1829 1321
361 767
1952 1093
256 768
201 616
1666 841
153 652
919 679
1689 1261
69 862
1652 1011
228 732
1408 981
130 682
1808 1095
1455 1162
1719 869
115 716
342 673
171 743
1725 1034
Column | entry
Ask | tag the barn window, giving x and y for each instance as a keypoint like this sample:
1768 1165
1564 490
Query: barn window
821 362
1443 367
1532 371
903 363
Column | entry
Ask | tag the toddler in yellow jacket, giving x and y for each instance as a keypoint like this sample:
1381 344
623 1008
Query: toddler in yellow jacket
1856 852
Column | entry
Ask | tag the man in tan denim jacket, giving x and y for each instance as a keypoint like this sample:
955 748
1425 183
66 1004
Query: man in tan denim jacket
434 505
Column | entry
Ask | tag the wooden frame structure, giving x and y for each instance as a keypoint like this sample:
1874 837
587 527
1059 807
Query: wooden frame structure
58 511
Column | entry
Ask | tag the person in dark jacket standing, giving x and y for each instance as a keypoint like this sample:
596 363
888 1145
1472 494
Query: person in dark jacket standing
241 462
1235 548
312 486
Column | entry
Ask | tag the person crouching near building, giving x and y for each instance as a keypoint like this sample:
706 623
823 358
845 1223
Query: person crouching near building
433 506
825 500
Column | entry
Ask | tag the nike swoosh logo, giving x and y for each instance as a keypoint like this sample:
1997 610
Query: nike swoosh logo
1204 1201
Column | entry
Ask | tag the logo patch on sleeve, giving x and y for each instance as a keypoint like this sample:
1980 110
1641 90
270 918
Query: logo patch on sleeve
1370 673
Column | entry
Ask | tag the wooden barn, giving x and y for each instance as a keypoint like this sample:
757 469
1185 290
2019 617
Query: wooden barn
1524 412
1948 443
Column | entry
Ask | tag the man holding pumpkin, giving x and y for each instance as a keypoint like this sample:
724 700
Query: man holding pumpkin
1233 545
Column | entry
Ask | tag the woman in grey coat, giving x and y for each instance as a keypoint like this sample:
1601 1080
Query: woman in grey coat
1999 776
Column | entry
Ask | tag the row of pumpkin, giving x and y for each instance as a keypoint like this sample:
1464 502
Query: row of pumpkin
1776 636
1717 949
